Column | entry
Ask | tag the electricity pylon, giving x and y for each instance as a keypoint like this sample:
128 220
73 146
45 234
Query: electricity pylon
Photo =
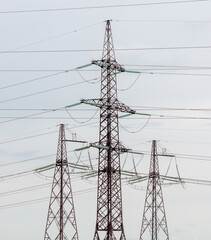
154 224
61 221
109 223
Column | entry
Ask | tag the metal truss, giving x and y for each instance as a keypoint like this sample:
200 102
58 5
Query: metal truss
154 224
109 223
61 221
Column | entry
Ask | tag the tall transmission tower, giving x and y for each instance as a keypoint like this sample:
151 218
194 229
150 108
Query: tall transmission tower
109 223
61 221
154 224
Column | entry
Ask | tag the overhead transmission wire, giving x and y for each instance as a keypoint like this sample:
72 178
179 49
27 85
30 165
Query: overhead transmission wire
183 156
169 67
29 172
155 67
191 157
55 131
23 190
29 202
25 134
153 117
178 129
33 136
72 132
139 130
177 167
101 7
100 50
145 108
125 89
178 74
31 115
75 119
142 71
6 177
48 90
15 175
33 79
152 108
27 160
57 36
162 21
41 92
91 81
26 189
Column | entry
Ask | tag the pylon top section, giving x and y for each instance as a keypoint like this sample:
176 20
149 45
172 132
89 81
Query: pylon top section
108 56
108 47
61 157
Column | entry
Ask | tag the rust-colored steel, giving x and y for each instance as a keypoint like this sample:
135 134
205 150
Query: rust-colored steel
154 224
109 224
61 221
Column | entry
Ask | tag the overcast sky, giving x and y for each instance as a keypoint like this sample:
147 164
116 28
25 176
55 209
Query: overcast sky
180 79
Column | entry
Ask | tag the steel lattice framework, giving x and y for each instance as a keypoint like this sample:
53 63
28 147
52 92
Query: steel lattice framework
61 221
154 217
109 224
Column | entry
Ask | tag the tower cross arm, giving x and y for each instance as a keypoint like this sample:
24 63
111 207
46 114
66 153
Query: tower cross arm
123 108
116 105
112 64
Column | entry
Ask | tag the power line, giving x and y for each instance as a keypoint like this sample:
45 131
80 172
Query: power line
148 108
28 172
181 67
156 67
48 70
153 108
153 117
184 156
24 203
178 129
28 116
43 109
99 50
19 139
57 36
41 92
29 202
91 81
25 134
178 74
34 79
100 7
163 21
26 160
22 190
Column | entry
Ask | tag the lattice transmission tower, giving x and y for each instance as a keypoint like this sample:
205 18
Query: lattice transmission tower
109 223
154 224
61 221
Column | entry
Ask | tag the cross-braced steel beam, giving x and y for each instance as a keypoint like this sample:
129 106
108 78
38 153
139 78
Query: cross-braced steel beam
61 221
154 224
109 223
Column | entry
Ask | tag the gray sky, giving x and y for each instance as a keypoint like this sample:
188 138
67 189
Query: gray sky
157 26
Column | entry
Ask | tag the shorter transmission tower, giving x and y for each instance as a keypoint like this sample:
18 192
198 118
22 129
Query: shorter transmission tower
154 224
61 221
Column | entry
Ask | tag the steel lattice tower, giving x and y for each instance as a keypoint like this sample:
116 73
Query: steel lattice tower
61 221
109 224
154 217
